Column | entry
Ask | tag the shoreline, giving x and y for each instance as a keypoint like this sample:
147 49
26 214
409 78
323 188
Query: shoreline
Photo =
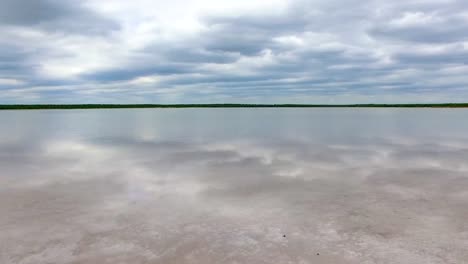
123 106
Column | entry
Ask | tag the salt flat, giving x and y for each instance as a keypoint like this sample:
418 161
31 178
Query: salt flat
234 186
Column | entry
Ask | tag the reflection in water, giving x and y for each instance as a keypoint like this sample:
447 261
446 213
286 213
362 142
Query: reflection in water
234 186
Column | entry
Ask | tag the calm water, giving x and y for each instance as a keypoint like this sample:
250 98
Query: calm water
234 186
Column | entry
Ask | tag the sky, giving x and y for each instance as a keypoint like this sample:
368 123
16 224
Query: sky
233 51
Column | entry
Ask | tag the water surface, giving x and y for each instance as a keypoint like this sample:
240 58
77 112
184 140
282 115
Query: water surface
234 186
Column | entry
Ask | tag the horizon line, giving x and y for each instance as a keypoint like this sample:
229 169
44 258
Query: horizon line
223 105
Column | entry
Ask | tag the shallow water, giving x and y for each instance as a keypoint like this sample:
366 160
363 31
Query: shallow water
234 186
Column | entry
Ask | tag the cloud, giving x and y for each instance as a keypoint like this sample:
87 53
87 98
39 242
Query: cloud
234 51
54 15
424 28
27 12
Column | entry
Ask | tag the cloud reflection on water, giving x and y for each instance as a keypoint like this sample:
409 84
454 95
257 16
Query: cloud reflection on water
155 199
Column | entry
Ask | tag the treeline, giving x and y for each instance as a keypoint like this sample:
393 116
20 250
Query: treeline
109 106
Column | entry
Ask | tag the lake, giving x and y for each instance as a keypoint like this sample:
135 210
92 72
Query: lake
289 185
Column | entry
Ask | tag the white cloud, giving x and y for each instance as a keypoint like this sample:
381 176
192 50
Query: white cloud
415 19
12 82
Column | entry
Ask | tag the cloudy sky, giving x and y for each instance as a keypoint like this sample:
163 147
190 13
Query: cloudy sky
249 51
